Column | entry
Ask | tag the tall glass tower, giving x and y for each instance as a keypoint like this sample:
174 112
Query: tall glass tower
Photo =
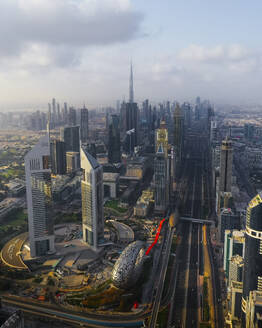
39 199
84 125
114 154
178 134
253 250
226 158
92 199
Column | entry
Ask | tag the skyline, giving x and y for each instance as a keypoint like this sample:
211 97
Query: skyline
178 51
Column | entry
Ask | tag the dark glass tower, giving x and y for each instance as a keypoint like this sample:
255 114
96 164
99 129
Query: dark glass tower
72 116
129 112
178 135
70 135
226 158
84 125
58 157
253 250
114 154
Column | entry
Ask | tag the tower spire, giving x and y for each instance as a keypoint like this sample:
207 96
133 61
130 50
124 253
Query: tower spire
131 87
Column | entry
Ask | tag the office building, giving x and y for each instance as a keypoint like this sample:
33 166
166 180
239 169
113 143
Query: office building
234 244
213 132
129 113
253 250
65 114
114 153
226 159
249 131
72 161
70 136
144 204
39 198
58 157
92 200
84 125
254 310
236 266
227 220
111 184
72 117
236 290
162 138
160 181
53 116
187 111
178 135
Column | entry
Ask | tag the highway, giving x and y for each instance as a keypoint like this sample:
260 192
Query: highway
77 319
185 302
161 279
185 305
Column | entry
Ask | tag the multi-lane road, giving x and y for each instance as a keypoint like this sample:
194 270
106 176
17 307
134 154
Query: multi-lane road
186 302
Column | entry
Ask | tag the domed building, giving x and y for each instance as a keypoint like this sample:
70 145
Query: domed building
129 265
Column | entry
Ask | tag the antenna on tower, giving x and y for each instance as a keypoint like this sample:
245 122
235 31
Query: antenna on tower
131 86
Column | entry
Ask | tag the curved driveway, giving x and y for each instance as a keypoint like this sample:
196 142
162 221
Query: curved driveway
10 254
125 233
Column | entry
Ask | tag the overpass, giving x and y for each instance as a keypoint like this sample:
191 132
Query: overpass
193 220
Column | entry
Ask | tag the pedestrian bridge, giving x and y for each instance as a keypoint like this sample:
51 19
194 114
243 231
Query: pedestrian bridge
193 220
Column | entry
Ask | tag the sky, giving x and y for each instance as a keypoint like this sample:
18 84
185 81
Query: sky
79 51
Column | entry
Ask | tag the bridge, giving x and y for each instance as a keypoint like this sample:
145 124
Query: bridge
193 220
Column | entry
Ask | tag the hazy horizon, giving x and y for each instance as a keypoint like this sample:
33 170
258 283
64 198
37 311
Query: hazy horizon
79 51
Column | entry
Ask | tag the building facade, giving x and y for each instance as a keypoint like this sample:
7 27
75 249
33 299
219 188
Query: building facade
114 152
226 160
58 157
253 250
84 125
178 136
234 244
70 136
39 199
92 200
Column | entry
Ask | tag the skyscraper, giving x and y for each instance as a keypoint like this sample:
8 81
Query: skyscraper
178 134
72 116
226 158
253 250
187 110
114 154
39 198
162 138
58 157
70 135
53 112
131 85
160 180
92 200
129 112
84 125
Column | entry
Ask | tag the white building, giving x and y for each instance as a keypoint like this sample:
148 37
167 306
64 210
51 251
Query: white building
39 198
92 200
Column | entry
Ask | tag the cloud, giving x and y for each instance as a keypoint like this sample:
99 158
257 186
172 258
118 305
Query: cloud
65 23
201 54
217 53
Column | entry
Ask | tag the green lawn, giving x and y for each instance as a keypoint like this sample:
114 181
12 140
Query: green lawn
114 204
17 217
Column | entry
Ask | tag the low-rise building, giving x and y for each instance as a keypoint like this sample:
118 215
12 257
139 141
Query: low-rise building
144 203
136 167
16 188
72 161
111 184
